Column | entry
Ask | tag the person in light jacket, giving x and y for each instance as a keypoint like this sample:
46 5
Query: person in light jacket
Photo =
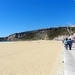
66 43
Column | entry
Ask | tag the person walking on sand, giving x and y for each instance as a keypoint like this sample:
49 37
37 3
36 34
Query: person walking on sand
70 44
66 43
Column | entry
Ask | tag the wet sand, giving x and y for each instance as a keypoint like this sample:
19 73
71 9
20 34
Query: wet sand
29 57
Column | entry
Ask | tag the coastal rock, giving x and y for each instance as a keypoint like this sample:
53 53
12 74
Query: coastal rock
40 34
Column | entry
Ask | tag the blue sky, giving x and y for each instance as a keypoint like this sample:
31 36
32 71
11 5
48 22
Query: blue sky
25 15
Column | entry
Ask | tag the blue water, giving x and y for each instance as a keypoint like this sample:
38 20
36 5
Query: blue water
5 41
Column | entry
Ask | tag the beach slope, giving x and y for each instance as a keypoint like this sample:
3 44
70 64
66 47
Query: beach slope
29 57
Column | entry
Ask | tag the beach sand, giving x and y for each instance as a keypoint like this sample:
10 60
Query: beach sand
29 57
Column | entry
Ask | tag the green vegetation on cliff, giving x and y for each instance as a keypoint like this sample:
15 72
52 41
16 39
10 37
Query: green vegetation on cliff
40 34
48 33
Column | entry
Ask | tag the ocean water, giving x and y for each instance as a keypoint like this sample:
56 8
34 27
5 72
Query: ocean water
5 41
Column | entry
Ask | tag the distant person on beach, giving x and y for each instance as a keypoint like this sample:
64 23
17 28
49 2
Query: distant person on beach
66 43
70 44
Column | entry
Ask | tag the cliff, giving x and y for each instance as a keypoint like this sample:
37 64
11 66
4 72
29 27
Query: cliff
40 34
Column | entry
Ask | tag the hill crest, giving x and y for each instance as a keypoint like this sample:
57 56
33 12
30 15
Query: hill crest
40 34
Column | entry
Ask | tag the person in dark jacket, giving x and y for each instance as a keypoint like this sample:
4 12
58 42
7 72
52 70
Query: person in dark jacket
70 44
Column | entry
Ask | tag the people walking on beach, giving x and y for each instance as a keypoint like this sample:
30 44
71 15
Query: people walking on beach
70 44
66 43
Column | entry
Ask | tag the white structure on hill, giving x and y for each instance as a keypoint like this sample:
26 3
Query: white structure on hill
71 33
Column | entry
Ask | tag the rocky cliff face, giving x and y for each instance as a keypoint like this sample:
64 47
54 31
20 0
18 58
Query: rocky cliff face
16 36
40 34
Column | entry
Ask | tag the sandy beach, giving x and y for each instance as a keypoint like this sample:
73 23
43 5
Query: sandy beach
29 57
